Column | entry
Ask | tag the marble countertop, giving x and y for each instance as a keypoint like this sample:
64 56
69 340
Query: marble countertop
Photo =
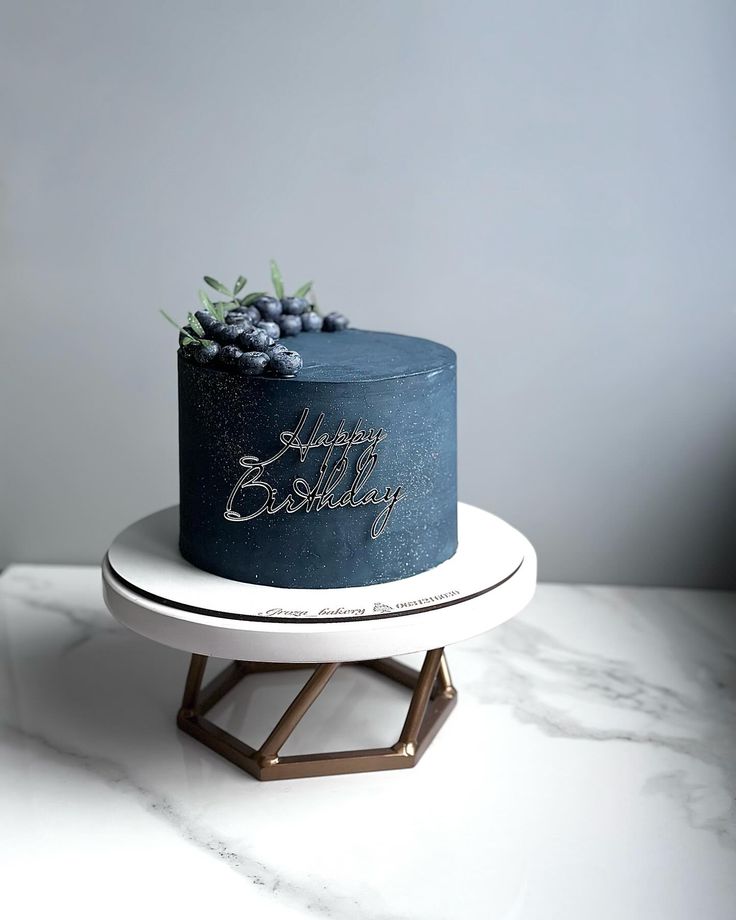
587 771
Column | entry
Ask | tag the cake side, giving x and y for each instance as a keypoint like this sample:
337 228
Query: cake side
342 476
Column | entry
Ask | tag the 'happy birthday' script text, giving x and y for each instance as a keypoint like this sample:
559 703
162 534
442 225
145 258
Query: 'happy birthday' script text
253 495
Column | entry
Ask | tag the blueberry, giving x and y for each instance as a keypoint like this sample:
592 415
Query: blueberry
335 322
205 354
245 326
311 321
290 325
230 355
294 306
234 317
277 349
206 320
252 315
257 340
286 363
226 335
253 363
214 332
271 329
269 307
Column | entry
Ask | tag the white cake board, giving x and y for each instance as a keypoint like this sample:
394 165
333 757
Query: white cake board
152 590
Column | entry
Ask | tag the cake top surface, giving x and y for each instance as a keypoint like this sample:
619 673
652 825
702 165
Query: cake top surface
357 355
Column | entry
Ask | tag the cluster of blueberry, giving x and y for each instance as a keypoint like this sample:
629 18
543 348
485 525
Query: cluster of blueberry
242 334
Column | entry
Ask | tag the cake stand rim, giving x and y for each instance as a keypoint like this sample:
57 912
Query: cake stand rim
272 639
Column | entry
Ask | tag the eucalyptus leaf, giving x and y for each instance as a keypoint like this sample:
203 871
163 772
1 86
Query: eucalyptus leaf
195 324
304 289
172 321
239 285
220 308
251 298
313 301
277 280
218 286
188 340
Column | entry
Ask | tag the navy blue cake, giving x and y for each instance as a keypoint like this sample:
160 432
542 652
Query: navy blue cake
343 475
328 467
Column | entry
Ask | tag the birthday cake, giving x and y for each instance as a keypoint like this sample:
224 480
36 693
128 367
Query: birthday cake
329 466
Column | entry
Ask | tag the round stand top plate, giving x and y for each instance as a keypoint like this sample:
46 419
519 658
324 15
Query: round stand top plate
151 589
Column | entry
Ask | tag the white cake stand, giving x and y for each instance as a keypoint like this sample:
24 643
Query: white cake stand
152 590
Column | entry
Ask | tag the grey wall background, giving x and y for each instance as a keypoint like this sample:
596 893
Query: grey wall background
546 187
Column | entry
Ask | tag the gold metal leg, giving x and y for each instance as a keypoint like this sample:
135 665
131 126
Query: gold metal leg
269 750
432 700
407 743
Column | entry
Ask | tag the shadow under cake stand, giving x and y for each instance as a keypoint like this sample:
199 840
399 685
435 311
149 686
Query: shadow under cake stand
152 590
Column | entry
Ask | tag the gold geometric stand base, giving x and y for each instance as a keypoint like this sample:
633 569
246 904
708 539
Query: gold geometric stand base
432 700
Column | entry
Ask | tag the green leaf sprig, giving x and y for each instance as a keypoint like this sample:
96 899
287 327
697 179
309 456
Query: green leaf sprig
196 326
278 285
219 308
304 289
277 280
216 309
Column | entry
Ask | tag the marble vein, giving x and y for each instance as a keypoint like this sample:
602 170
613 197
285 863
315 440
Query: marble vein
198 833
525 662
